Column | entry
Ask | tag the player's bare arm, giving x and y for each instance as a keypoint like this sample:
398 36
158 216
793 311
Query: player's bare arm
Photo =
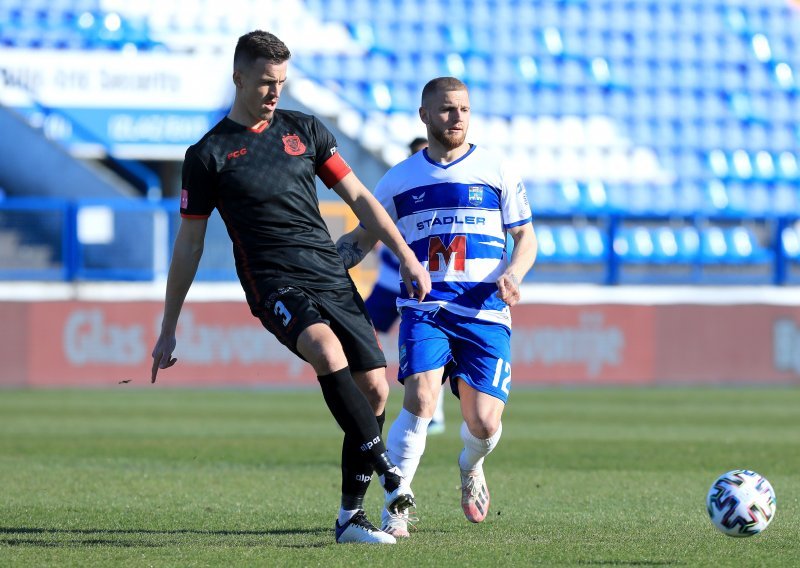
186 256
522 259
376 221
355 245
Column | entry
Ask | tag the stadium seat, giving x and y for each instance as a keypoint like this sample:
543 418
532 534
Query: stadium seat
713 246
732 245
634 245
785 199
546 243
688 244
593 244
790 242
567 244
743 246
657 245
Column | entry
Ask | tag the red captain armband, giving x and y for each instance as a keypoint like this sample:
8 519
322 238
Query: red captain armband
333 170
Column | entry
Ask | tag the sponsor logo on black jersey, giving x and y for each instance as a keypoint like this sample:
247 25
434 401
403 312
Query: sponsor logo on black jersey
292 145
237 153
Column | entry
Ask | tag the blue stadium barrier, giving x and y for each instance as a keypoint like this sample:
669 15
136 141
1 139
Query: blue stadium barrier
36 239
100 239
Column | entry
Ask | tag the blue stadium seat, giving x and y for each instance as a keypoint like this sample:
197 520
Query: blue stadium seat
785 199
617 194
787 166
595 197
713 246
688 241
546 199
566 244
546 242
593 244
654 245
790 242
665 246
689 198
744 247
732 245
634 245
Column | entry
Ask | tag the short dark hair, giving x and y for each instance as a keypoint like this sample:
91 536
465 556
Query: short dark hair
257 44
417 144
441 84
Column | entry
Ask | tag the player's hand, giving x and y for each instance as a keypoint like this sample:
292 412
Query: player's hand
416 279
162 354
508 288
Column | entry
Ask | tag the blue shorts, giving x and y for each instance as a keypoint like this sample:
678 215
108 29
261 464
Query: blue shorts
480 350
382 308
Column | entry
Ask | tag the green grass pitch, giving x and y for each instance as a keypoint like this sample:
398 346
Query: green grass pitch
596 477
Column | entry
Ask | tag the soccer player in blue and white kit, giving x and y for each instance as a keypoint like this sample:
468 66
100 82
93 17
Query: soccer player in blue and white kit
382 301
454 204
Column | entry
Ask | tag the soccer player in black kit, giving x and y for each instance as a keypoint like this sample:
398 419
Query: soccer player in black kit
257 167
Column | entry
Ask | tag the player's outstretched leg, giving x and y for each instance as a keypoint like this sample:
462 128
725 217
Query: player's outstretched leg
352 411
474 491
359 529
356 475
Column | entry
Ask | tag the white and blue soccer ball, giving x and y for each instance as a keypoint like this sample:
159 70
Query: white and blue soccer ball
741 503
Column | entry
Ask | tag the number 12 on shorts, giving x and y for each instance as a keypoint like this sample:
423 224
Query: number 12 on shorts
502 371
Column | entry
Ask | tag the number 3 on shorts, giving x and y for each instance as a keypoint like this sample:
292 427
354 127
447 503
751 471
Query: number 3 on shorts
503 370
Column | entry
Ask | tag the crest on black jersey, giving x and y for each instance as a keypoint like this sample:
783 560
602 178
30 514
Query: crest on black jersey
292 145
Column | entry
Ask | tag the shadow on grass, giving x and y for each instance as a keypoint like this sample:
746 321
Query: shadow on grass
127 538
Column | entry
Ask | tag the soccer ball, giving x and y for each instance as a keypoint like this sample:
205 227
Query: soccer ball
741 503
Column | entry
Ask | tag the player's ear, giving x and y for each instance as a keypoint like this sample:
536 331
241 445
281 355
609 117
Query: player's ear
423 115
237 78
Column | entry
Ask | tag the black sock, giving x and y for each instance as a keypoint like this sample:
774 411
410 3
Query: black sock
357 471
354 415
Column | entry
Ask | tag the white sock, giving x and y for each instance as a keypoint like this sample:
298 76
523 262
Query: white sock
345 515
406 442
475 449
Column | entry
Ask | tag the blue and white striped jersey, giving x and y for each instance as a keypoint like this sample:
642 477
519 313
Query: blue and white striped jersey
455 217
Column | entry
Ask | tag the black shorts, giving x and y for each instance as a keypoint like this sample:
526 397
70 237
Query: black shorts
291 309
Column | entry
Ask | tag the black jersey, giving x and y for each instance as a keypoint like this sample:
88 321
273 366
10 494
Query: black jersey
262 182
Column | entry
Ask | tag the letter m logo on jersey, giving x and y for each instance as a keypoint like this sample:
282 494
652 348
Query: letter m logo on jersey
440 257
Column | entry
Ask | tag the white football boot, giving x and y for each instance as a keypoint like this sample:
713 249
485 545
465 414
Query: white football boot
359 529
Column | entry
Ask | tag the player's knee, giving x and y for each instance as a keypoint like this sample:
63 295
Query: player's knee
482 427
420 402
374 386
323 352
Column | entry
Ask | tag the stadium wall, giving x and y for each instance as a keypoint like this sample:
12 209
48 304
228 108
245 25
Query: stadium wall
562 336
